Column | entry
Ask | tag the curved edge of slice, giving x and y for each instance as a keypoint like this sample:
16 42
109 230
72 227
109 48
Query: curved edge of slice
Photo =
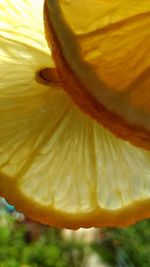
136 135
56 218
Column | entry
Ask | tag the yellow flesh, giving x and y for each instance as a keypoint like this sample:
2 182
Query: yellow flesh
107 45
56 164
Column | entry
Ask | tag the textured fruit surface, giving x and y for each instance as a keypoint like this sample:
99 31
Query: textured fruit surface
58 165
102 54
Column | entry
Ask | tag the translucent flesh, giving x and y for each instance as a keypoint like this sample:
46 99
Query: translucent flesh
52 156
110 36
107 45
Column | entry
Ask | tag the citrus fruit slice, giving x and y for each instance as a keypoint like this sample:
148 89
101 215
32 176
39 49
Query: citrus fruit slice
102 53
58 165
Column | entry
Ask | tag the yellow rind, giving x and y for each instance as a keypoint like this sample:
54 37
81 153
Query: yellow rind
48 215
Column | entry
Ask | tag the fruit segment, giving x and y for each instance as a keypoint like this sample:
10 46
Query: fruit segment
58 165
103 60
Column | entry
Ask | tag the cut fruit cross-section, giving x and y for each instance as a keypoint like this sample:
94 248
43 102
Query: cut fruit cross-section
58 165
102 54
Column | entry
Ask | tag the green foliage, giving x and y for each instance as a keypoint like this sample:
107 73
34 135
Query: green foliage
48 249
126 247
27 244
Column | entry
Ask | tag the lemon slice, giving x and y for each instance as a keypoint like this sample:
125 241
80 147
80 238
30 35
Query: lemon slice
102 53
57 165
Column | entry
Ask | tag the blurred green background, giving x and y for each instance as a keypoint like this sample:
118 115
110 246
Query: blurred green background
24 243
